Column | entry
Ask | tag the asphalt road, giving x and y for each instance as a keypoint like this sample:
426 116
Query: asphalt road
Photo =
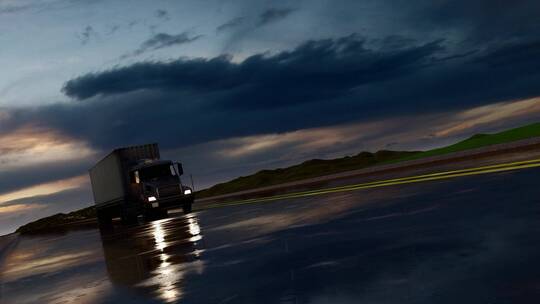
468 239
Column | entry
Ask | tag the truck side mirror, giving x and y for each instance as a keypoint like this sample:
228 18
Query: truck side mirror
179 168
134 177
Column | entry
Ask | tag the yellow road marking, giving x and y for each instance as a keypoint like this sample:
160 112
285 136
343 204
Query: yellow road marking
389 182
412 177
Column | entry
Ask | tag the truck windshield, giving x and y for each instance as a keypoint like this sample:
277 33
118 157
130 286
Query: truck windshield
156 172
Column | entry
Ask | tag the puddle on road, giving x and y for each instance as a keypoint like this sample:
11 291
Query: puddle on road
155 259
145 263
346 248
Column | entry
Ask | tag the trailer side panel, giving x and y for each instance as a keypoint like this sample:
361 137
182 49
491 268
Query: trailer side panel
107 179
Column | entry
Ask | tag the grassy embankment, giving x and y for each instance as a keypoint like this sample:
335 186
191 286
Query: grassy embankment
308 169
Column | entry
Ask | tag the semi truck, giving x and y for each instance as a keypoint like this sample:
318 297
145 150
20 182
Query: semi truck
134 181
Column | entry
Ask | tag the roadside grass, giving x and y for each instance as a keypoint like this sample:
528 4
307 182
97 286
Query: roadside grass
57 220
479 141
308 169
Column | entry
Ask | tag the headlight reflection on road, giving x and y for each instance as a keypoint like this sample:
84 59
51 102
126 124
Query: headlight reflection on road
194 229
167 275
159 235
174 264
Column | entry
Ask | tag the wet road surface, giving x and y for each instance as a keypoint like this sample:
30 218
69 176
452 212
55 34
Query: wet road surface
471 239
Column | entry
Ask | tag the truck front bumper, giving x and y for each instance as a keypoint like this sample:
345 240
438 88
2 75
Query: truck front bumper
170 202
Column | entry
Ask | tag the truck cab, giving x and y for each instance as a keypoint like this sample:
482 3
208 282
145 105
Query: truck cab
157 184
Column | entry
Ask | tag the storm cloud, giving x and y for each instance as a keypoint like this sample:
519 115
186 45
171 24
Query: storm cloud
479 21
319 83
233 23
163 40
273 15
313 71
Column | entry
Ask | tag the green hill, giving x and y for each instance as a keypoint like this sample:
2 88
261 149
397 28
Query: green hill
319 167
482 140
308 169
57 221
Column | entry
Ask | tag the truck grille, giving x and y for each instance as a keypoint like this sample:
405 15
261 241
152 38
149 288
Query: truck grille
170 190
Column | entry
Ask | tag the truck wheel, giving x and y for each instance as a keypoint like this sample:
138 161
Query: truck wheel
129 216
187 207
104 218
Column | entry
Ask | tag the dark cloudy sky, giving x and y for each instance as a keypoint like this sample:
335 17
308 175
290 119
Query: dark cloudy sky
232 87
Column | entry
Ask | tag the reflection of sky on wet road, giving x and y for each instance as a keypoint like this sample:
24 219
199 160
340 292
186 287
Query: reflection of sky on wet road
55 269
468 240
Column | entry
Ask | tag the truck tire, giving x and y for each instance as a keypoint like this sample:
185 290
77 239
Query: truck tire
104 218
187 207
129 216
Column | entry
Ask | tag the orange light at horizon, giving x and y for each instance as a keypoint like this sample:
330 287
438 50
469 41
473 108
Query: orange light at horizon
30 145
19 208
45 188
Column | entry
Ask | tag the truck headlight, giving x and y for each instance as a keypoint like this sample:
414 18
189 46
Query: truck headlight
187 191
152 199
